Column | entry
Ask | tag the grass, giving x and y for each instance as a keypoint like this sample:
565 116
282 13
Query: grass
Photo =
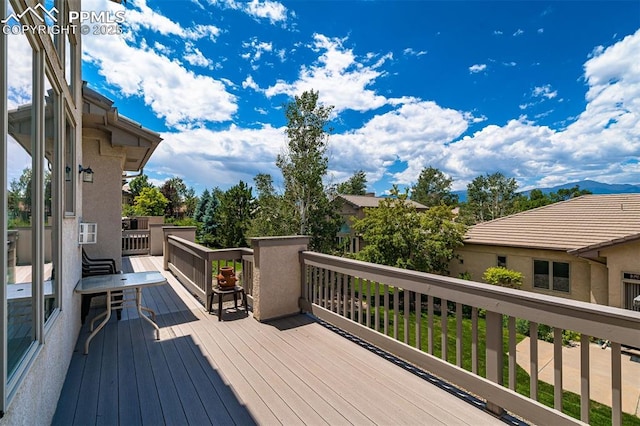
600 414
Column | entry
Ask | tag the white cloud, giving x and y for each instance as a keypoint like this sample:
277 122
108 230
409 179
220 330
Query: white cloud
544 91
255 49
518 32
230 155
139 15
194 56
415 133
250 83
411 52
174 93
497 32
271 10
540 30
597 145
474 69
341 79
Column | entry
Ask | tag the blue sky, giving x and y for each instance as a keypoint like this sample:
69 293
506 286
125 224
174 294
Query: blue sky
545 92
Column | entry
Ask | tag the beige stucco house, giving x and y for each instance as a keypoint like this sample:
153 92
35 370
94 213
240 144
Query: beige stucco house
353 206
587 248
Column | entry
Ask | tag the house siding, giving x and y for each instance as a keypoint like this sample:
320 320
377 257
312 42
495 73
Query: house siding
620 259
476 258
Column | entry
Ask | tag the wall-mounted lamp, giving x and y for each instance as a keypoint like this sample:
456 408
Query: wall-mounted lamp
87 174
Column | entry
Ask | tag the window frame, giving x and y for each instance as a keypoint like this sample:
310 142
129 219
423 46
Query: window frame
550 276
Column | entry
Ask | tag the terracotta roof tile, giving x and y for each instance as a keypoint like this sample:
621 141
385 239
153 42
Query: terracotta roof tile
589 220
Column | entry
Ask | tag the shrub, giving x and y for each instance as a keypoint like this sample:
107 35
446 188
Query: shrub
503 277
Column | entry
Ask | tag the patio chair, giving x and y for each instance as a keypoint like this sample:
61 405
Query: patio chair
91 267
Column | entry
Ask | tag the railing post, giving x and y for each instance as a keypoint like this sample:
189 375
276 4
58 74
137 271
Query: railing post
277 275
494 357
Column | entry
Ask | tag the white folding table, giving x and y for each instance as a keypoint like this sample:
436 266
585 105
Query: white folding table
118 283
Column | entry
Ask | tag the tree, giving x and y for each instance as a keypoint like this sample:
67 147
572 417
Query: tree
433 189
211 220
150 202
174 190
565 194
304 163
190 202
201 208
138 183
272 216
235 211
19 196
355 185
490 197
396 234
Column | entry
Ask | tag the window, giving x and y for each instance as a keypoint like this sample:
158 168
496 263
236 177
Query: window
551 275
70 169
502 261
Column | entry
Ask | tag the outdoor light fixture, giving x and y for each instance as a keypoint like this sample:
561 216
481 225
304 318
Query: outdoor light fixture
87 174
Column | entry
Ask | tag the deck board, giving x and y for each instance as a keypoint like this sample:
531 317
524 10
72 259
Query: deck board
239 371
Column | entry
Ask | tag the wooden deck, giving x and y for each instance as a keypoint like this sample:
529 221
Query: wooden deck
240 371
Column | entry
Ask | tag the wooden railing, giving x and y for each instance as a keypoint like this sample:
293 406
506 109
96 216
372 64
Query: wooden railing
195 265
407 313
135 242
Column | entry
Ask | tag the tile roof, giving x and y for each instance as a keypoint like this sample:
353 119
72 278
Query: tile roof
362 201
586 222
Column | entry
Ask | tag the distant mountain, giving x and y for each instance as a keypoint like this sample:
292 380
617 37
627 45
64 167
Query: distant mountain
591 185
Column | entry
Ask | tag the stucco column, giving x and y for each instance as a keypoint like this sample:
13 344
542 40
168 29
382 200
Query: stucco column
277 276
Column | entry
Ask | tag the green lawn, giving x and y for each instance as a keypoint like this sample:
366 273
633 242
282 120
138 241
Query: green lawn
600 414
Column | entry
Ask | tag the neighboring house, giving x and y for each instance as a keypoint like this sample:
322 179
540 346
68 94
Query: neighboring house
127 196
586 248
54 125
353 206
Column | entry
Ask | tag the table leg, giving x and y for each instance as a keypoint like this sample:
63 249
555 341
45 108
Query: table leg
146 318
102 324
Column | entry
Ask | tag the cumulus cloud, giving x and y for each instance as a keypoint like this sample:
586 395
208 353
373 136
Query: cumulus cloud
161 82
343 80
474 69
238 153
142 16
597 145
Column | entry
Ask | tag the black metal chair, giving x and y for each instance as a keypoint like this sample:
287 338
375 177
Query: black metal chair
91 267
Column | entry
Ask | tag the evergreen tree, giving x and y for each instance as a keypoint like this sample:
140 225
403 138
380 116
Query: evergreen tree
200 210
211 220
355 185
